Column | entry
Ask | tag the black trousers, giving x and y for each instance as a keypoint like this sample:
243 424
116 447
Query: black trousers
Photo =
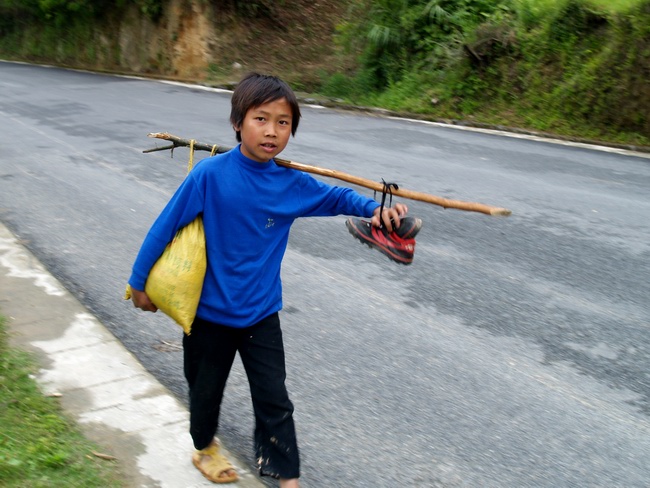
209 352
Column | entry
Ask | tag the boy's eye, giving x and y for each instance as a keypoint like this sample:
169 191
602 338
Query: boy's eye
261 119
284 122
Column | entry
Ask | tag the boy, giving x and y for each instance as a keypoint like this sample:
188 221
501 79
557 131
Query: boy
248 204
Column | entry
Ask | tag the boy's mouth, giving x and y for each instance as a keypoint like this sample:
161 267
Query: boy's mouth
269 146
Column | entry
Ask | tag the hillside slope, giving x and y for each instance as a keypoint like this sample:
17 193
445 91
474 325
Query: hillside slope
185 39
574 68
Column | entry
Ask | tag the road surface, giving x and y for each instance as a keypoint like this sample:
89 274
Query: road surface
513 351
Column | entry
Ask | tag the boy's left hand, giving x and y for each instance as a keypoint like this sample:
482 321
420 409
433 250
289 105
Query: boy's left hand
390 216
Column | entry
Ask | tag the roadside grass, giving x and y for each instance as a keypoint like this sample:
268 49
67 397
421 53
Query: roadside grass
39 446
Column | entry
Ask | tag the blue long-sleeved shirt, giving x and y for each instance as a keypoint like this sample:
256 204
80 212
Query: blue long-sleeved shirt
248 208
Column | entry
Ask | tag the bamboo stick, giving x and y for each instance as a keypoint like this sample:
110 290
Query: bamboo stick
357 180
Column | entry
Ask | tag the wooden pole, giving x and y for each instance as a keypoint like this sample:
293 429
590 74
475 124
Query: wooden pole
357 180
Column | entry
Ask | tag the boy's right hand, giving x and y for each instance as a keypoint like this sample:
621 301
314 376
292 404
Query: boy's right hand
390 216
141 300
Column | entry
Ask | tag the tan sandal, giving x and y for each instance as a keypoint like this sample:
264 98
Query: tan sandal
217 468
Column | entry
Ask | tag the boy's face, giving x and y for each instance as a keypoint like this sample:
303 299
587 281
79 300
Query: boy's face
265 130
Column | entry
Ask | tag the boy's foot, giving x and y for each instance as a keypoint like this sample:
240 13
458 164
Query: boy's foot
213 465
289 483
398 245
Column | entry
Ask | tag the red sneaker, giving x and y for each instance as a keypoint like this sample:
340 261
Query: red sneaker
399 248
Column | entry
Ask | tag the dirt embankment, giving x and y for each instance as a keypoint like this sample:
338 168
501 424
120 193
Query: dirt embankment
197 40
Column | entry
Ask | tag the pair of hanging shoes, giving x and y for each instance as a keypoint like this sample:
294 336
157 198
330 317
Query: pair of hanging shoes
398 245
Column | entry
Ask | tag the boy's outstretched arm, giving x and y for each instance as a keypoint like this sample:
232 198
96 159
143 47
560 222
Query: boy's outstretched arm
389 216
141 300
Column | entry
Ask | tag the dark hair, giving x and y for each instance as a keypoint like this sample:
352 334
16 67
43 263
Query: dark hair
256 89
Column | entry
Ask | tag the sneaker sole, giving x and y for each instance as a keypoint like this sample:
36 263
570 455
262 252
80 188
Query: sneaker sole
352 229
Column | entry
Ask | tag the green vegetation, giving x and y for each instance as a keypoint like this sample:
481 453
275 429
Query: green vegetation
49 30
577 68
573 67
39 446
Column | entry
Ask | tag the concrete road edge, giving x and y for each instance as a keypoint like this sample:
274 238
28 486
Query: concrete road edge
103 387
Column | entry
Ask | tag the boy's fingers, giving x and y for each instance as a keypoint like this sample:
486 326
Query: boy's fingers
142 301
389 220
390 217
402 209
148 308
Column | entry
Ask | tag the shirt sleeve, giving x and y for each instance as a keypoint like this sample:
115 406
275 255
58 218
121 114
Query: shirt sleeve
185 205
321 199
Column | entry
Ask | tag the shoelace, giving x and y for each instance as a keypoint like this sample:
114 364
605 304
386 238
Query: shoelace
387 189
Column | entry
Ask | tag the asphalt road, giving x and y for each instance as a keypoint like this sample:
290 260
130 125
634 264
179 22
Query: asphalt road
513 352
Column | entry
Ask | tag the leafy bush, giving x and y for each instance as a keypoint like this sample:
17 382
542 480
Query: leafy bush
394 36
557 65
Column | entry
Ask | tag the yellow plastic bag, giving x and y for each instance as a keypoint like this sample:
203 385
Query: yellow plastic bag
175 281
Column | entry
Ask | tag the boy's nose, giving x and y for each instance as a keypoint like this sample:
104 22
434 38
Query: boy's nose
270 130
